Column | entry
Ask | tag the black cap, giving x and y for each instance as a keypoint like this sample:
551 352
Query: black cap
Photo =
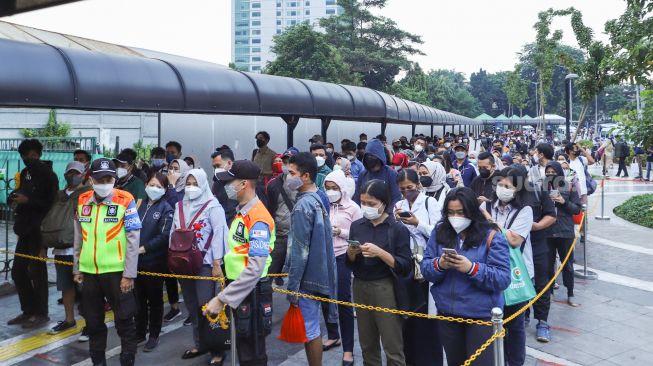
103 167
241 169
124 158
464 146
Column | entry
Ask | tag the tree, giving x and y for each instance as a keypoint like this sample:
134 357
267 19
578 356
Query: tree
448 91
488 89
413 86
639 130
305 53
516 90
53 128
374 47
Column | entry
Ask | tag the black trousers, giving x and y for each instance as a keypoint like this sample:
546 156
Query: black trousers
279 254
422 346
253 323
30 276
461 340
95 289
622 165
561 246
515 340
541 266
149 293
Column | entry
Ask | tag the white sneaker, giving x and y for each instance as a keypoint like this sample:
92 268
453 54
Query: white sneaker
83 337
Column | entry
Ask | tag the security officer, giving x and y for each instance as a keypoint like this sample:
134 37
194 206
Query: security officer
251 239
107 237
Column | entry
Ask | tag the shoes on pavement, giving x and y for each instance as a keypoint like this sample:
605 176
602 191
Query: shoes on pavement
336 343
140 340
20 319
83 337
543 332
62 326
151 344
571 302
60 301
171 315
188 322
35 321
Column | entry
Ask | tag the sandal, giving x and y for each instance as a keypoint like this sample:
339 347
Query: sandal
191 354
335 344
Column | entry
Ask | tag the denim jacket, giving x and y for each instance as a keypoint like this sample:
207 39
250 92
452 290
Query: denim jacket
311 262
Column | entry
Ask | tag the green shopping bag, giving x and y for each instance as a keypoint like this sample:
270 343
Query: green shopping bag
521 288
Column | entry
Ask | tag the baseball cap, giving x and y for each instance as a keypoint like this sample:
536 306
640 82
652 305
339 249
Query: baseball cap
464 146
75 165
123 158
103 167
241 169
291 151
507 158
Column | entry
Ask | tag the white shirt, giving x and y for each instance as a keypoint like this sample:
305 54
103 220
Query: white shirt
577 166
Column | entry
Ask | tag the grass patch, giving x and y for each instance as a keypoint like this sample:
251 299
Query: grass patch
637 210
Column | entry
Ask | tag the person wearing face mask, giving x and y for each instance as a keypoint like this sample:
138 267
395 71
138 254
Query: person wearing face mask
58 230
156 219
379 250
433 178
509 211
484 185
173 151
31 200
85 158
579 160
462 164
343 212
222 160
472 159
107 237
349 152
319 152
568 203
177 170
469 278
374 162
126 180
543 154
281 201
419 150
202 213
345 166
570 174
263 156
419 213
157 160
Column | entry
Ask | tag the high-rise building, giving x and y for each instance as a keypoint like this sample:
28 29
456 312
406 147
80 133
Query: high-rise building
255 22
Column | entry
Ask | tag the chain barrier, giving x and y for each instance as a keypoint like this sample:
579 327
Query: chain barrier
484 346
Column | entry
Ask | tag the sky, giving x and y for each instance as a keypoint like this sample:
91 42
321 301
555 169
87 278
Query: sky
463 35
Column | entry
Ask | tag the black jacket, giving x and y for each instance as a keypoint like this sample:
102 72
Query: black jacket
155 233
483 187
228 205
564 226
40 184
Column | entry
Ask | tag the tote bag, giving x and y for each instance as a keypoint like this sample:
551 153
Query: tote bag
521 288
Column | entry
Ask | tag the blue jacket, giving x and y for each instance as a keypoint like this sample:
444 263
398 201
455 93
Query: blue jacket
467 171
386 174
155 233
357 168
311 262
466 296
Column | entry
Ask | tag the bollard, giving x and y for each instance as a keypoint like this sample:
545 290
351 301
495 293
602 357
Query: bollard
497 326
584 273
603 217
232 329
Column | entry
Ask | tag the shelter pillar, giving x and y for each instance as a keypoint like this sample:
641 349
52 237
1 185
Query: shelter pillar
384 125
291 123
326 122
413 126
431 130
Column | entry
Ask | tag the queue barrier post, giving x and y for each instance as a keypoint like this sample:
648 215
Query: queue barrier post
584 273
497 326
232 330
603 217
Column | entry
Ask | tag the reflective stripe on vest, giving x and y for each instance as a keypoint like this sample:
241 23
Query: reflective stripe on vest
238 241
104 240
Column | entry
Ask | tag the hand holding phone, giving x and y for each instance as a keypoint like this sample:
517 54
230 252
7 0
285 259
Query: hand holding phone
354 243
449 251
405 214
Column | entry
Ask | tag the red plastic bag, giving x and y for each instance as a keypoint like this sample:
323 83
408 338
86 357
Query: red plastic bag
578 218
292 328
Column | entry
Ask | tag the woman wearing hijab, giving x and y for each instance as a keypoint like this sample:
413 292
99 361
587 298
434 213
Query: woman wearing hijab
343 212
433 178
210 229
350 184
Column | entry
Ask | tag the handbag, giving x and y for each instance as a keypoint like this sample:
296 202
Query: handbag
212 336
521 288
409 293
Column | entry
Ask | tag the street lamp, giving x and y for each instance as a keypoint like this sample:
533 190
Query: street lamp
569 79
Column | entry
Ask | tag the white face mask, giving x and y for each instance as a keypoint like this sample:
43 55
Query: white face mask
459 223
320 161
370 213
419 148
193 192
121 172
219 170
154 193
334 196
337 167
351 157
447 144
102 190
505 194
330 150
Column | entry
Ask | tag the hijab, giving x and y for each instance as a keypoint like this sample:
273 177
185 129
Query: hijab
339 178
438 174
183 171
191 207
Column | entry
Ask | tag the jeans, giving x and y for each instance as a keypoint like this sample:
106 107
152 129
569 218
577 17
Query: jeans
515 341
541 266
30 277
149 292
649 167
561 246
461 340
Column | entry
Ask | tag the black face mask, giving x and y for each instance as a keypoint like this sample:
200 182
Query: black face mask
29 162
425 181
260 143
484 173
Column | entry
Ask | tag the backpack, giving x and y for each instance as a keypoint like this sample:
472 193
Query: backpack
184 257
590 183
57 228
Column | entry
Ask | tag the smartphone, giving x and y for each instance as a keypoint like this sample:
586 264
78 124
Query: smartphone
449 251
405 214
354 243
554 193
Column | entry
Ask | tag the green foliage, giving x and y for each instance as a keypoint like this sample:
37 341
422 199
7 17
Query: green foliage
374 47
142 150
234 67
638 210
587 144
639 130
305 53
53 128
516 89
489 89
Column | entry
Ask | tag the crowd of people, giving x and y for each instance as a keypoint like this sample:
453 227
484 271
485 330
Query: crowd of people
427 224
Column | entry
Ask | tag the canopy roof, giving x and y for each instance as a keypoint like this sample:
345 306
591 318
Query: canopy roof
45 69
9 7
